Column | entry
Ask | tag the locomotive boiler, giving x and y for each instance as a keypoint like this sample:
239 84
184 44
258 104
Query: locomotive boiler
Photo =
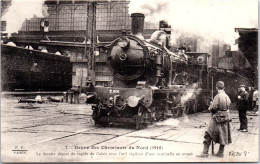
138 81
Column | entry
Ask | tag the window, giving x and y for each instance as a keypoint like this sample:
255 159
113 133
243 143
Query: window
112 16
73 17
65 20
52 18
80 17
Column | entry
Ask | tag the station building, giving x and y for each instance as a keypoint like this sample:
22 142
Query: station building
71 21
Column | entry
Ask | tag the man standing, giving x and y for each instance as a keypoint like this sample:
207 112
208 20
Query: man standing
255 101
218 131
242 106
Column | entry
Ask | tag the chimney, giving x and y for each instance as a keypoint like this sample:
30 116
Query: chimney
137 25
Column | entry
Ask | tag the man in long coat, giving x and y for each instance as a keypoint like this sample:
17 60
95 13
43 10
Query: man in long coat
218 132
242 106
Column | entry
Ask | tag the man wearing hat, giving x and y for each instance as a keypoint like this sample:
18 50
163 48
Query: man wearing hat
242 106
218 131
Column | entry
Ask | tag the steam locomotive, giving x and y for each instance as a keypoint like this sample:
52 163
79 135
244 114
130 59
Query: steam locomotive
138 82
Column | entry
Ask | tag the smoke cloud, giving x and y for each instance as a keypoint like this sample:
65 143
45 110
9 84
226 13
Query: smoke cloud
209 19
20 10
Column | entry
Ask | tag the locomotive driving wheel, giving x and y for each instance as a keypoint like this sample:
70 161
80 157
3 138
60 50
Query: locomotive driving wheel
143 117
139 126
95 115
187 107
99 115
195 105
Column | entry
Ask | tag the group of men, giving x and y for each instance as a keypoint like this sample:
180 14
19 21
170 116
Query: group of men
219 126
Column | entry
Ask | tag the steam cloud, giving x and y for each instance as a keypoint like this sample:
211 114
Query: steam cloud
168 122
209 19
189 94
20 10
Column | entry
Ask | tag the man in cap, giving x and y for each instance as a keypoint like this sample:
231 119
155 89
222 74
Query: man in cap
242 106
219 132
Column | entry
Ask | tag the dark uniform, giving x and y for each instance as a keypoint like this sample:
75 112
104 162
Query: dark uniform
218 132
242 106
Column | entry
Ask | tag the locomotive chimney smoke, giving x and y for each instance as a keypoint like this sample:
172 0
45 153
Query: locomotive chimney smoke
137 25
201 18
21 10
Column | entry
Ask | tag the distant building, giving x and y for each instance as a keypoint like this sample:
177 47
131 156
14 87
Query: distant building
248 44
71 21
233 60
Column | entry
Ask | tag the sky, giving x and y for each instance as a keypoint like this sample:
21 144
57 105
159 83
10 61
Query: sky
210 19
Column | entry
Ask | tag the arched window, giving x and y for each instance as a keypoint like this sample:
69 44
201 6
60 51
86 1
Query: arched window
52 18
80 17
102 16
112 16
65 20
119 18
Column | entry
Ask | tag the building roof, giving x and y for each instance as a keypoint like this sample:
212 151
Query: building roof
76 1
246 30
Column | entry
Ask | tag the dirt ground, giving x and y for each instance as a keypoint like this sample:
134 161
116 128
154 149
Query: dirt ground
62 132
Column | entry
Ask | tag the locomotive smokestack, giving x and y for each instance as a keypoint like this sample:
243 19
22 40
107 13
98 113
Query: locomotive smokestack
137 25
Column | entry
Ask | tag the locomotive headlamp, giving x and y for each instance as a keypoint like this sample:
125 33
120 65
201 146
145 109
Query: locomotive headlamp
200 59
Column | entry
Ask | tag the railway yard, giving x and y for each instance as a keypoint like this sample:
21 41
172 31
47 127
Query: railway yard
50 132
128 63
